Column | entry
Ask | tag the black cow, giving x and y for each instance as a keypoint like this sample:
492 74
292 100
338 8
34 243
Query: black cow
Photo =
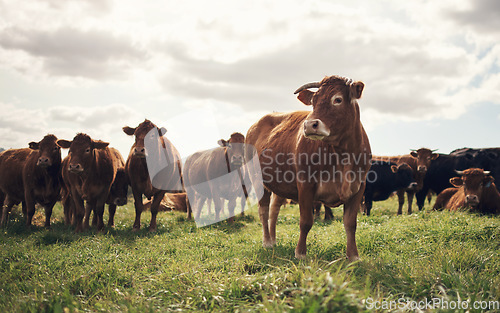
384 178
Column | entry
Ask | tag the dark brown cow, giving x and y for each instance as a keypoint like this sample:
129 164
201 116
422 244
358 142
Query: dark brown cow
168 178
202 168
30 176
323 155
89 173
474 189
170 202
419 161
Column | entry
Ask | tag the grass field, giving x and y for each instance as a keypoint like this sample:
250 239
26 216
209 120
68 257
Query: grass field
450 256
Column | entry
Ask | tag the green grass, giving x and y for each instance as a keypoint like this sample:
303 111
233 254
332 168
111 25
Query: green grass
223 267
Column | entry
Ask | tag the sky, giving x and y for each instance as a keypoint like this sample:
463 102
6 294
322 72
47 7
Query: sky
206 69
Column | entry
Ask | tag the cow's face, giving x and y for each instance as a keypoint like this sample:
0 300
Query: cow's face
144 134
119 189
234 148
404 176
48 151
335 107
424 157
474 180
81 152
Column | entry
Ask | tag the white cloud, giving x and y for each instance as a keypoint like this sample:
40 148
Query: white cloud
419 60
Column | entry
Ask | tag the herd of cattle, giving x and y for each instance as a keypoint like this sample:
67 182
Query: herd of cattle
94 174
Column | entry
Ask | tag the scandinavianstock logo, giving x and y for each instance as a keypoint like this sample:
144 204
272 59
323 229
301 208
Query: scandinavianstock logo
225 178
219 181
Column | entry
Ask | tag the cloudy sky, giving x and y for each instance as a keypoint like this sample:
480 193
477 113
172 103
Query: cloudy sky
204 69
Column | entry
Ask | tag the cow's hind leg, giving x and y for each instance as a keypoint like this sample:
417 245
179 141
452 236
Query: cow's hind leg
410 195
306 205
351 208
276 203
155 204
264 218
401 200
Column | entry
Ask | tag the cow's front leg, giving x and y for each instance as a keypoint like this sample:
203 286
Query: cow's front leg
410 195
351 209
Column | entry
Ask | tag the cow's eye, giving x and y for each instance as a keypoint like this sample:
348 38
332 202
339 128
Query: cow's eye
56 148
87 150
229 146
336 100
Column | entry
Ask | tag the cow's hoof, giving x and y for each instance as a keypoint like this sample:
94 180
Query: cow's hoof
300 256
268 244
354 258
135 229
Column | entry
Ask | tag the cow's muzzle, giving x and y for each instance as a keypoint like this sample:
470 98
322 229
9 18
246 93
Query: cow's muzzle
75 168
43 162
316 129
140 152
422 169
472 201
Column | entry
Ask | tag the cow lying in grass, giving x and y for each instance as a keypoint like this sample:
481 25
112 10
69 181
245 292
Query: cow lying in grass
474 189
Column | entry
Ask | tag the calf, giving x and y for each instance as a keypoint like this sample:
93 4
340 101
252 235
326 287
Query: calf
474 189
89 174
168 178
384 178
290 146
170 202
201 173
29 176
419 161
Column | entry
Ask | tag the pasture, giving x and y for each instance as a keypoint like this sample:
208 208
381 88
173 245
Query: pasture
452 256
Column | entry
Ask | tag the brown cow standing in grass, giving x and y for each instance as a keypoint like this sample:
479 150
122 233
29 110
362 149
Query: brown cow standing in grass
167 178
202 169
31 175
88 172
323 155
419 161
117 194
475 189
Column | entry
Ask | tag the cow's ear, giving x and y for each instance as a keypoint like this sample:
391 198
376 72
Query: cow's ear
162 131
98 144
414 154
357 90
222 143
128 130
434 156
488 180
65 144
394 168
34 145
456 181
305 96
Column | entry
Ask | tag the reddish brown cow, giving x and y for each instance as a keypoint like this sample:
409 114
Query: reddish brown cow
170 202
474 189
202 169
89 173
117 194
419 161
146 180
323 155
31 176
